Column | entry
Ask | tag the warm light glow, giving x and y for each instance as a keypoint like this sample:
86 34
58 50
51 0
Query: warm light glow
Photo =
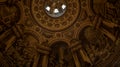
48 8
63 6
56 11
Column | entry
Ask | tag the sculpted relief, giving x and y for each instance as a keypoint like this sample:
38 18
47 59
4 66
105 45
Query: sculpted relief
59 33
109 9
9 15
96 44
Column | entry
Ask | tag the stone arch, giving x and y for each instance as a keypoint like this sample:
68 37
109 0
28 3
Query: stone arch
52 41
81 27
59 42
60 55
35 34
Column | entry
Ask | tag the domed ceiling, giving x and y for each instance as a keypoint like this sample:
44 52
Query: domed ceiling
59 33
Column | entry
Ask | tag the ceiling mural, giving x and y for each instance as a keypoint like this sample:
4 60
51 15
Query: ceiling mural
59 33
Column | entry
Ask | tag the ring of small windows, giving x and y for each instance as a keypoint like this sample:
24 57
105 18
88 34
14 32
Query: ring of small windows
57 12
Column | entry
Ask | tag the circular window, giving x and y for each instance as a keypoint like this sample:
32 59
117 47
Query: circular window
55 15
55 8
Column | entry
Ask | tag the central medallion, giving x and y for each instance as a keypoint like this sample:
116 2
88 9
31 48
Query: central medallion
55 8
55 15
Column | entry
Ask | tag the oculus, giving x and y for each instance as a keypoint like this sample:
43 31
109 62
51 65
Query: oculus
55 8
55 15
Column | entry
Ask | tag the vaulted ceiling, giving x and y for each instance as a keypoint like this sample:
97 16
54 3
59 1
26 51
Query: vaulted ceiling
59 33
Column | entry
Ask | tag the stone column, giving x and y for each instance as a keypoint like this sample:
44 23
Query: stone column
85 56
77 62
45 51
10 42
36 60
61 56
5 34
108 34
74 47
45 61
